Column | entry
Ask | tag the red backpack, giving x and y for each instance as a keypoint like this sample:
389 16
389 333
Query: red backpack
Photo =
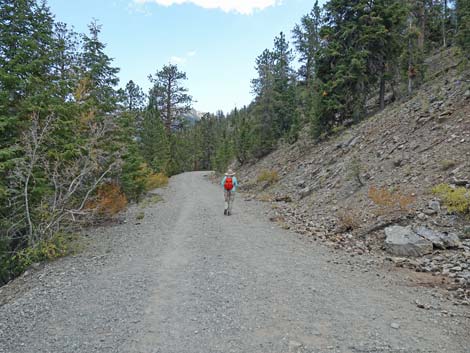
228 184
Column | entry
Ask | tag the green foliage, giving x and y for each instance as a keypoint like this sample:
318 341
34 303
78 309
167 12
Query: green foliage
169 97
455 199
154 142
463 25
447 164
63 132
46 250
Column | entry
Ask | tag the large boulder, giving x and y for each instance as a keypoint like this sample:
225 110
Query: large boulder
438 239
434 237
402 241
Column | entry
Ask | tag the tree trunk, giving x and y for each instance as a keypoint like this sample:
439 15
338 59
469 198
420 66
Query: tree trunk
307 74
382 91
422 24
168 107
444 30
410 61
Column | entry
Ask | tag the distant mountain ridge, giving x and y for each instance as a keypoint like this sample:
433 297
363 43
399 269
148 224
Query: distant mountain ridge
193 116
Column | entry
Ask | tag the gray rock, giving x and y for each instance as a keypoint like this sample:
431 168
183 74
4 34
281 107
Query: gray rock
460 182
451 240
421 216
429 212
301 183
395 325
397 162
434 205
305 192
466 232
402 241
432 236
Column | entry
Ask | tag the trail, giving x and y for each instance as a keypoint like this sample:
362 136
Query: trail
189 279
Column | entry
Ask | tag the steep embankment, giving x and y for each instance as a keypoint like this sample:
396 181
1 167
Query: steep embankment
347 189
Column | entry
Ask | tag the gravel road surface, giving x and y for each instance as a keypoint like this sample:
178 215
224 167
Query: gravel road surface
187 279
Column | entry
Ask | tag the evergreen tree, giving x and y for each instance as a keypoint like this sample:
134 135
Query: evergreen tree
134 172
463 25
169 97
26 87
307 42
154 141
134 97
361 41
99 77
242 138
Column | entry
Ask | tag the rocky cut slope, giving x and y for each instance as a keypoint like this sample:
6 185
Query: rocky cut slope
375 180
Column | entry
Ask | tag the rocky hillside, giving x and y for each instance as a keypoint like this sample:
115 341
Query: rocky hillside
369 188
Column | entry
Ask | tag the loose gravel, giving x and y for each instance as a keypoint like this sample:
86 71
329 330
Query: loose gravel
186 278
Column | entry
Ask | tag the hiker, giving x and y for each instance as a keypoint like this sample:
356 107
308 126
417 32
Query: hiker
230 184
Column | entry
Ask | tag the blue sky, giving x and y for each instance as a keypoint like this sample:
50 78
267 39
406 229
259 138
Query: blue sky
214 41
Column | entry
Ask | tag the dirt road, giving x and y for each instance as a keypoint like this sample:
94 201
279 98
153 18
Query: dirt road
189 279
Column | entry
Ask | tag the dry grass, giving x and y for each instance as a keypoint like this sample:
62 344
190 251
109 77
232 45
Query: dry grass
265 198
150 200
348 220
391 201
268 176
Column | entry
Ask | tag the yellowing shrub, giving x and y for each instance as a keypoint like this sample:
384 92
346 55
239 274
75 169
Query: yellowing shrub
156 180
109 200
455 199
389 201
269 176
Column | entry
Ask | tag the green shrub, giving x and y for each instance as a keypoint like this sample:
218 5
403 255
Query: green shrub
456 200
12 264
268 176
446 164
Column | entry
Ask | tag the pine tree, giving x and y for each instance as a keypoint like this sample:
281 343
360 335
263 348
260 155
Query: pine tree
362 40
134 171
99 77
134 97
154 141
26 87
169 97
307 42
284 81
463 25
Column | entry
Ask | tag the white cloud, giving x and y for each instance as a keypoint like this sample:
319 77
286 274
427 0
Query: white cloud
245 7
191 53
135 8
177 60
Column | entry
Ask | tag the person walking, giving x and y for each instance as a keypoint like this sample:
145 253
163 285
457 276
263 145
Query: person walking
230 184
